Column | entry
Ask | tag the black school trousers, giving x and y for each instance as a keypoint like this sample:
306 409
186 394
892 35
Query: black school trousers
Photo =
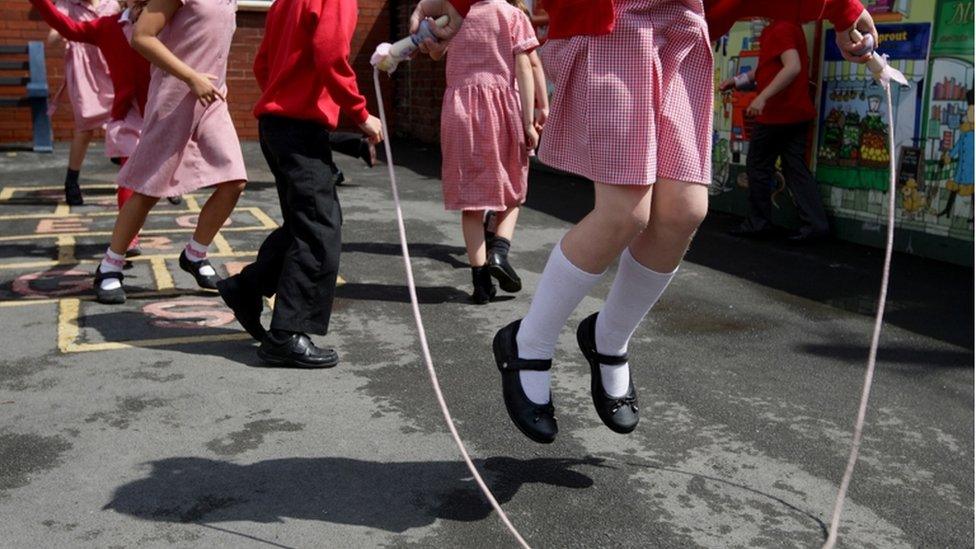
298 262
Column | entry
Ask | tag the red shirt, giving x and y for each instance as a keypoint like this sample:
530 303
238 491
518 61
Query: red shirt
303 66
578 17
793 104
128 70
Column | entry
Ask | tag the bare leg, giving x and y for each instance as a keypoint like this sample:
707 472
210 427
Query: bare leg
620 213
79 148
216 210
474 236
131 218
677 211
505 222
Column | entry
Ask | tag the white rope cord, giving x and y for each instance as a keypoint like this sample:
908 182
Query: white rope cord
875 337
420 325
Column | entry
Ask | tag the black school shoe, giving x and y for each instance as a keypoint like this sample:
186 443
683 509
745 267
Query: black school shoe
245 304
536 421
296 351
503 272
72 194
617 413
484 288
109 297
208 282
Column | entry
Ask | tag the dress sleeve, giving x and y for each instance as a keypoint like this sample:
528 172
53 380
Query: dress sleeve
524 39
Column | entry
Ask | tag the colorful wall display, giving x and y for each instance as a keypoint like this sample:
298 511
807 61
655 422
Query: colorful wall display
931 42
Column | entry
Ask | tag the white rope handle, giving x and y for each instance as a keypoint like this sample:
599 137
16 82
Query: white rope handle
875 337
420 325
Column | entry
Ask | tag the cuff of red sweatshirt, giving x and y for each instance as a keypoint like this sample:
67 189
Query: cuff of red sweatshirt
462 6
843 13
359 116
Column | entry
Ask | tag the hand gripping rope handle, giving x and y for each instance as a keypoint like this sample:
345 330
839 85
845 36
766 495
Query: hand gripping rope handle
883 74
420 324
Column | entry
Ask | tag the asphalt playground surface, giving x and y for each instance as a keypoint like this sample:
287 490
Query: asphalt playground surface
154 424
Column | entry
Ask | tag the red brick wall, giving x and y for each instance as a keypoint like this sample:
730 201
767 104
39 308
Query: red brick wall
19 23
419 89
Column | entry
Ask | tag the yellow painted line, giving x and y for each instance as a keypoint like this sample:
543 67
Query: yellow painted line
181 230
161 342
138 295
68 324
9 191
221 245
263 218
192 205
340 281
6 193
61 210
112 213
164 281
53 263
66 250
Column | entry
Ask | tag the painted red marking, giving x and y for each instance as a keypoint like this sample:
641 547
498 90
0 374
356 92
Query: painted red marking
66 282
63 225
190 221
188 313
155 243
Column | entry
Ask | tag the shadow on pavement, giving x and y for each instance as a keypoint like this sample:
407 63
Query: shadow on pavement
393 497
893 354
437 252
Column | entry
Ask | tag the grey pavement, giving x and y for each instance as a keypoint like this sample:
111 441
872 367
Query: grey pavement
153 424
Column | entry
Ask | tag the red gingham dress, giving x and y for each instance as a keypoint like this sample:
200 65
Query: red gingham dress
635 105
485 162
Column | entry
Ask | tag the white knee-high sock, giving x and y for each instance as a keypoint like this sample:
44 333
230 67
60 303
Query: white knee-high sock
635 290
562 287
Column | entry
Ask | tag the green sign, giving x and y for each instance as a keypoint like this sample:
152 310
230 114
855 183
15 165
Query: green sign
953 28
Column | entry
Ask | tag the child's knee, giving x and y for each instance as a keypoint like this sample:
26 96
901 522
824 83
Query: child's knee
685 220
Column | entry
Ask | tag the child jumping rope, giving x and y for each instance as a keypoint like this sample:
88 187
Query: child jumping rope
188 139
128 70
89 88
632 111
487 131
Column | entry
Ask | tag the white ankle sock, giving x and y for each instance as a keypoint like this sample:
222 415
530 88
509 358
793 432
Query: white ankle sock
562 287
635 290
198 252
111 263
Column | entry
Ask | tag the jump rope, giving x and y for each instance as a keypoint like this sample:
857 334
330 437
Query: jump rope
388 56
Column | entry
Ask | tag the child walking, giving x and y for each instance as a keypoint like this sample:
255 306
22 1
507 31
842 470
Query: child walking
632 111
303 69
89 88
188 139
129 73
487 131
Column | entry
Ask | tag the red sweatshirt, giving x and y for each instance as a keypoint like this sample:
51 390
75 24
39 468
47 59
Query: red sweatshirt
303 66
128 70
578 17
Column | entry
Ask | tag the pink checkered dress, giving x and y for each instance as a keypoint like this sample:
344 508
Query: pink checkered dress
635 105
485 160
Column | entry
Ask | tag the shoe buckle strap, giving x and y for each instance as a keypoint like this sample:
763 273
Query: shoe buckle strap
608 360
537 365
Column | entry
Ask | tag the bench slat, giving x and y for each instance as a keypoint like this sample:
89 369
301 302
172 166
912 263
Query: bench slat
14 101
14 65
14 80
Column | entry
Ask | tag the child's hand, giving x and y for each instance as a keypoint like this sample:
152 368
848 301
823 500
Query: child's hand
373 129
727 85
541 115
202 86
531 138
